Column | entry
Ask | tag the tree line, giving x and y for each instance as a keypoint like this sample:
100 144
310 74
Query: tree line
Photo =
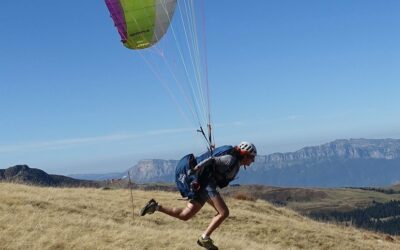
380 190
380 217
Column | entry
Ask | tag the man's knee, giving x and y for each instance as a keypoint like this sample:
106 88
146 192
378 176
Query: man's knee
224 213
185 217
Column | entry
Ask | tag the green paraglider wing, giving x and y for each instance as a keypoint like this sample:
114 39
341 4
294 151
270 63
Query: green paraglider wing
141 23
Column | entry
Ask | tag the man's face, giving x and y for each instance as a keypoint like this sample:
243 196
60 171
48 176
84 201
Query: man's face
247 160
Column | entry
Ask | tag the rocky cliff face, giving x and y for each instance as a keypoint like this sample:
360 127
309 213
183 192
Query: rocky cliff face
153 171
342 149
354 162
353 149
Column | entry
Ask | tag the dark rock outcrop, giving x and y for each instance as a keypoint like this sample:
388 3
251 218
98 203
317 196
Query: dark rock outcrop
33 176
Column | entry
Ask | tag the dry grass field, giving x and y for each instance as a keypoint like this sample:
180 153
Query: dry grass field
85 218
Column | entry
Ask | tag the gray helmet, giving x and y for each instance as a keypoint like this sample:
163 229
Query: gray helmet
248 148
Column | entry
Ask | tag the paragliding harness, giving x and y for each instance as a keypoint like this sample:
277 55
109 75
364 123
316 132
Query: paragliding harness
189 181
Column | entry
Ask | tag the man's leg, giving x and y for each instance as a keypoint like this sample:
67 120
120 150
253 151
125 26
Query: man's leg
219 205
223 212
183 214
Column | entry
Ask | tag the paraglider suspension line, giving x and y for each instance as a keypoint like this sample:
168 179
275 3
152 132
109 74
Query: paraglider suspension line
209 139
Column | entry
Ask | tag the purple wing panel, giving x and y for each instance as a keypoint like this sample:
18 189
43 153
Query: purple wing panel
118 16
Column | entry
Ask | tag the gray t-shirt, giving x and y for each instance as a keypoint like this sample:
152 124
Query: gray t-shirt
226 165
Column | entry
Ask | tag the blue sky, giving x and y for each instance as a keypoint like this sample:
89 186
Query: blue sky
283 74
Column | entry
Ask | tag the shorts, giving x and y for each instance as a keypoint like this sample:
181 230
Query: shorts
206 192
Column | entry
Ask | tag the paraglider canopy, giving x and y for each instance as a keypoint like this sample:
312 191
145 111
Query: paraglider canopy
179 57
141 23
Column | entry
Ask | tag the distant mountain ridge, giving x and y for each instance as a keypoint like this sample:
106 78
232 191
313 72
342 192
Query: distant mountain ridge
26 175
342 149
352 149
353 162
344 162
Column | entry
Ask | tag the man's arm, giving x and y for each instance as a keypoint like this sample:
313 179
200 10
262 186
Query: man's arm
204 164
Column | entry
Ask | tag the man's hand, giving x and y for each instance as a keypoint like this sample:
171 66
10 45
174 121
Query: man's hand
198 168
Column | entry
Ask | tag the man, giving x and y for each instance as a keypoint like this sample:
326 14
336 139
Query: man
224 169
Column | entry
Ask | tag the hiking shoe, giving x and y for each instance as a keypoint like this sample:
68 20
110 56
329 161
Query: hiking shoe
150 208
207 243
